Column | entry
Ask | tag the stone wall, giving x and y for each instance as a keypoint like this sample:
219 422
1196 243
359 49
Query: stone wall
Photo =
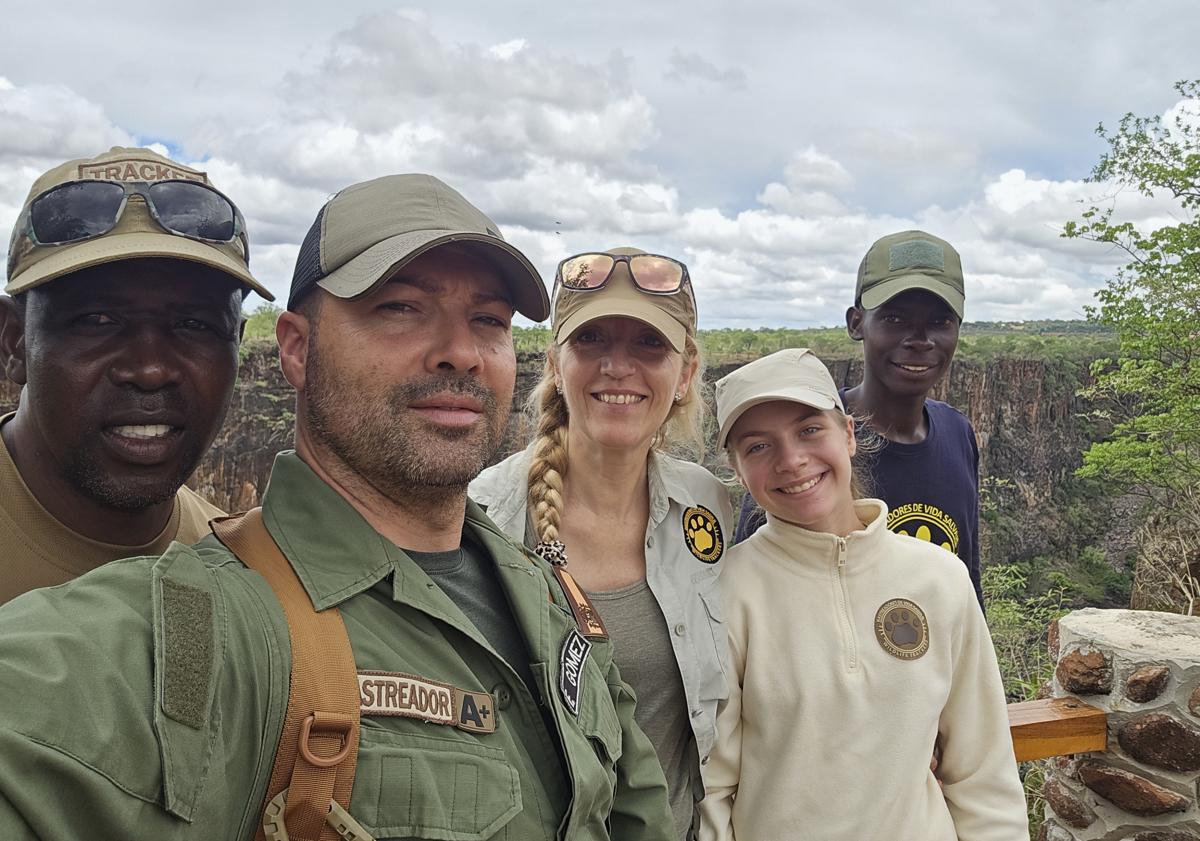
1143 669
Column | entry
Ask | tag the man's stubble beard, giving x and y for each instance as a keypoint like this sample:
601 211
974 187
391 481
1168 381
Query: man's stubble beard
377 437
124 493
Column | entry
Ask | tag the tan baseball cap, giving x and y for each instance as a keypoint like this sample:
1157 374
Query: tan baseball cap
910 260
369 231
793 374
136 234
672 315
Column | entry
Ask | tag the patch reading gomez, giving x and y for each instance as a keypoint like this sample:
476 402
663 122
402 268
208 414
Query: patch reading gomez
702 534
902 629
575 651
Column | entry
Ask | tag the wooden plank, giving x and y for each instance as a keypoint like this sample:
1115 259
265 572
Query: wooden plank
1056 727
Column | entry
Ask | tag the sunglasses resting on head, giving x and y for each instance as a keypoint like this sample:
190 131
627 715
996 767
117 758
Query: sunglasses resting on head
651 273
83 210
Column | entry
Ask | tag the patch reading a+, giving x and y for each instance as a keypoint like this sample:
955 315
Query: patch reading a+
702 534
902 629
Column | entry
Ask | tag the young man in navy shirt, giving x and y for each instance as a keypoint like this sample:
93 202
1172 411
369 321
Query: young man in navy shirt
908 305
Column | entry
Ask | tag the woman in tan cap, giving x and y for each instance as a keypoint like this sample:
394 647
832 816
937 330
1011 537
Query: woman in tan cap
641 531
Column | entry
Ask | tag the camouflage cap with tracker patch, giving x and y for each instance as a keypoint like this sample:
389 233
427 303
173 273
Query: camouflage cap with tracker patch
136 234
910 260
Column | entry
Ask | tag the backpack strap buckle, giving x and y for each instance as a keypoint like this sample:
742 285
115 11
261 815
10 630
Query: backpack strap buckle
338 819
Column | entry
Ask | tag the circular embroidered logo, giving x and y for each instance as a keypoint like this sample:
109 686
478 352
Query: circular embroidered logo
902 629
702 534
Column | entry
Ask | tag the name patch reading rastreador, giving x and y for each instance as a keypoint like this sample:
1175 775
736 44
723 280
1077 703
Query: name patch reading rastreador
409 696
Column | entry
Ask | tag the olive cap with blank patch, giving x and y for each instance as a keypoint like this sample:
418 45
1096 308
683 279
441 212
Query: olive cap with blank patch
910 260
368 232
793 374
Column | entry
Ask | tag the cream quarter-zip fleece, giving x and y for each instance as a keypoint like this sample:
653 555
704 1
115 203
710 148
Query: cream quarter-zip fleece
826 735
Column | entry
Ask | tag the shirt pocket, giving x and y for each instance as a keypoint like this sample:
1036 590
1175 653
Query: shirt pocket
409 786
598 721
714 661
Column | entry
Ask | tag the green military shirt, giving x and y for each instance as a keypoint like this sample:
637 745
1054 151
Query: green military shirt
145 699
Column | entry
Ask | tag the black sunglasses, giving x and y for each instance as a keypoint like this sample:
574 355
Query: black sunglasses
83 210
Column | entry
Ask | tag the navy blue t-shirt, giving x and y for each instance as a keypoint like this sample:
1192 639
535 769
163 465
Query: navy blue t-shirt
931 489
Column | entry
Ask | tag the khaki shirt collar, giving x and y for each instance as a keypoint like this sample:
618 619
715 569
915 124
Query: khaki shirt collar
666 483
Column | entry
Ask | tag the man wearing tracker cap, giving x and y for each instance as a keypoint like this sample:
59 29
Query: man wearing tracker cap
126 273
486 707
908 305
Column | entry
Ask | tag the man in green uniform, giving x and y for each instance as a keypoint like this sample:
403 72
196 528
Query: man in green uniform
145 700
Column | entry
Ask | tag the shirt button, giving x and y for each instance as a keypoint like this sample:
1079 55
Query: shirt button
650 542
680 629
503 696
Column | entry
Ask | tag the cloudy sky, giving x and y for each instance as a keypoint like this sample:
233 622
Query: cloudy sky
766 143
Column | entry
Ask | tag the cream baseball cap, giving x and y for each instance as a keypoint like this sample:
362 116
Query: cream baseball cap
136 234
672 315
793 374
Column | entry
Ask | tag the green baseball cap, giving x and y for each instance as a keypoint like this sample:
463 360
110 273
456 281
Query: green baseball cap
910 260
135 234
369 231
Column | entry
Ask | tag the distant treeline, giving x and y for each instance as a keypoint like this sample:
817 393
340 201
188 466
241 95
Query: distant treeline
1075 341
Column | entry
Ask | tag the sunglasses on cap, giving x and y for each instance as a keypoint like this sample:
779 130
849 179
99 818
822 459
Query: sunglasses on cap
651 273
83 210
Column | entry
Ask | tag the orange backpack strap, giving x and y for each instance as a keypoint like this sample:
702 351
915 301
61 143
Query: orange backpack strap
309 790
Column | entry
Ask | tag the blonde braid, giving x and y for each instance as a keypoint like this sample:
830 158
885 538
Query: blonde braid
548 467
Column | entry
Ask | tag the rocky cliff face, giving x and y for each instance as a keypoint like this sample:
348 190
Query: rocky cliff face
1025 413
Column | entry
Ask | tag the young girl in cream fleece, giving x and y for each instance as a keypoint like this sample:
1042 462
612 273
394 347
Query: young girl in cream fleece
853 649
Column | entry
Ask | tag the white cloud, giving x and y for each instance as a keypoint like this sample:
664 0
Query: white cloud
683 66
649 137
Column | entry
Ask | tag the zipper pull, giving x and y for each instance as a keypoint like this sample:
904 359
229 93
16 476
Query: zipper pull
841 552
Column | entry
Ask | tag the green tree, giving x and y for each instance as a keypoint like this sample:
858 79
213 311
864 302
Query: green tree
1151 389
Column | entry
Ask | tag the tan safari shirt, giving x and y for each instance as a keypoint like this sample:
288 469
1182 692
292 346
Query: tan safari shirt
145 699
685 538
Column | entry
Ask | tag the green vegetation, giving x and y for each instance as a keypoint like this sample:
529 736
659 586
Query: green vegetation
1071 341
260 326
1019 624
1149 390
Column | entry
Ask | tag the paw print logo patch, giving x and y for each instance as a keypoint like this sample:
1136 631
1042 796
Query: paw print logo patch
702 534
902 629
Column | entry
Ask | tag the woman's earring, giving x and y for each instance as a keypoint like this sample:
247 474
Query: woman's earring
678 396
558 388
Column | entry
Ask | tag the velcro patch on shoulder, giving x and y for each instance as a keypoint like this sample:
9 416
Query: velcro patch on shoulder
187 652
